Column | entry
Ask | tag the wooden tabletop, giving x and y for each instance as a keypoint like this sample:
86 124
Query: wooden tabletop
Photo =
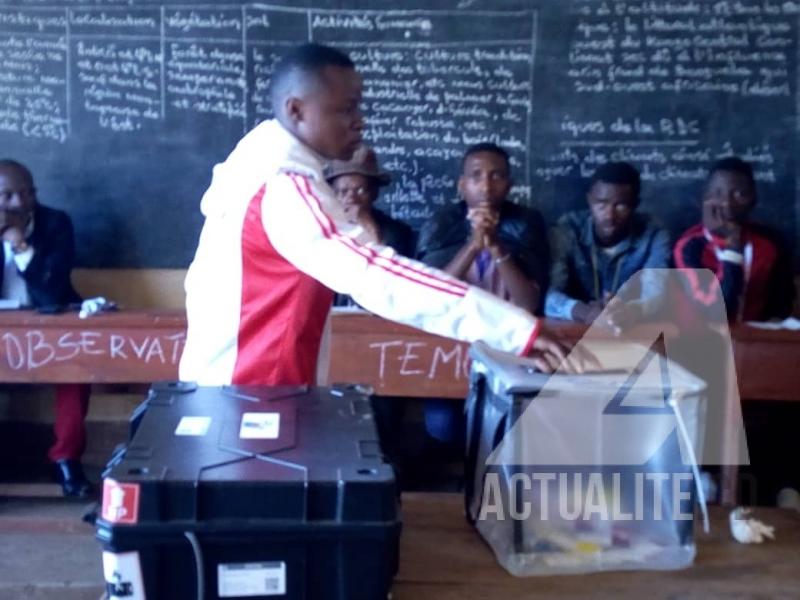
397 360
140 346
134 346
444 558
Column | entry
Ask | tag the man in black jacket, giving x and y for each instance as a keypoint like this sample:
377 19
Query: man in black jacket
38 251
486 239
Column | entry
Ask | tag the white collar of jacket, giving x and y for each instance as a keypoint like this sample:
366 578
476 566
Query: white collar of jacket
267 150
287 153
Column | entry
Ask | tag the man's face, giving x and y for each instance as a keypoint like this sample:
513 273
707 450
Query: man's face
612 206
17 194
355 190
733 193
485 180
328 117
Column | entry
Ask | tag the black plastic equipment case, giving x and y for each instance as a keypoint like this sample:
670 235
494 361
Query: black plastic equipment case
250 492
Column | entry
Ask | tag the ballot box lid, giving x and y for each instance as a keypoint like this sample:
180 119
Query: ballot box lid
621 363
248 453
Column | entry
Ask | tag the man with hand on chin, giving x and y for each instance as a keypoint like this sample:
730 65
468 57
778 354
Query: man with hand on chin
755 282
486 240
38 251
489 242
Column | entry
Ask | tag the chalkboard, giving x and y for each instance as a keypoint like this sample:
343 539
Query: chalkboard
121 108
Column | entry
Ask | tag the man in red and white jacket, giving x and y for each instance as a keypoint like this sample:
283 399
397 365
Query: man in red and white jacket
754 279
276 244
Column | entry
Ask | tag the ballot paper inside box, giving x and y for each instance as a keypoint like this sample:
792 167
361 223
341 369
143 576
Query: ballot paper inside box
582 473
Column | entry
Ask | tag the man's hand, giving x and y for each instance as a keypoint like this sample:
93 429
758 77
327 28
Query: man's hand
620 315
483 220
717 219
362 215
12 226
550 354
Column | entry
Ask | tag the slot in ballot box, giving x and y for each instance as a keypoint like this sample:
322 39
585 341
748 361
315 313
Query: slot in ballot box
581 473
250 492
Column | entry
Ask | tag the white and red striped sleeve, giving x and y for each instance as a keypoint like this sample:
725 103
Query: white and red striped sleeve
307 227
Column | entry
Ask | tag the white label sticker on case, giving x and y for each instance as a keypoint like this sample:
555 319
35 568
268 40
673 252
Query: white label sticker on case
238 580
260 426
123 575
193 426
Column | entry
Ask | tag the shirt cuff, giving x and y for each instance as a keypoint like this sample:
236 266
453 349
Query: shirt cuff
558 305
730 256
23 259
532 339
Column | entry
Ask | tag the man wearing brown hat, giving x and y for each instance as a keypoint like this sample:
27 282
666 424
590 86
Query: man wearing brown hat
356 183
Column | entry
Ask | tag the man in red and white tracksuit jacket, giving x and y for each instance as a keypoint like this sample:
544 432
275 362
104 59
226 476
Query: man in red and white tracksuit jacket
274 248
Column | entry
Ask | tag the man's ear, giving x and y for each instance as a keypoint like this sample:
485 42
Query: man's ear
294 109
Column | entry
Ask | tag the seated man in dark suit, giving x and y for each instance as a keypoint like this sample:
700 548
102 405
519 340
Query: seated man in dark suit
38 250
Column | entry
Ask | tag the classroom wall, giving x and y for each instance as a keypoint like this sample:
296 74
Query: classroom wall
133 288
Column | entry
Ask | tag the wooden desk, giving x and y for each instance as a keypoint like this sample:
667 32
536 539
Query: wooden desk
145 346
443 558
115 347
767 363
400 361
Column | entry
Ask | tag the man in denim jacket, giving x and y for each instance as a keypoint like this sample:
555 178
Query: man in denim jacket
596 251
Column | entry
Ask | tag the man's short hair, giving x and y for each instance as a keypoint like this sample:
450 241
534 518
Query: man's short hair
10 163
733 164
486 147
306 61
618 173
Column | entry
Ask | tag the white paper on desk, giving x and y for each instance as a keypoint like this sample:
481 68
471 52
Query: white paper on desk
791 324
194 426
9 304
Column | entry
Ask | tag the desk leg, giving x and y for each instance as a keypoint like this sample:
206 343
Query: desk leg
731 438
729 482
